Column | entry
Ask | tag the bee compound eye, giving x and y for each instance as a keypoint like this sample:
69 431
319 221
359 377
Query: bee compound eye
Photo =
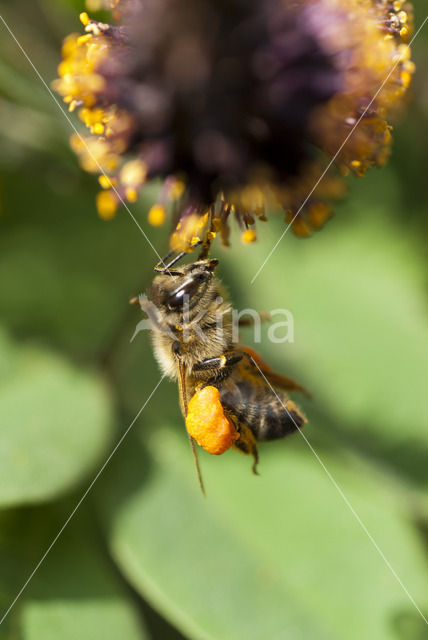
185 292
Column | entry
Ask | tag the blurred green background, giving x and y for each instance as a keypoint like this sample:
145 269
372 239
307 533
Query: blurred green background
282 555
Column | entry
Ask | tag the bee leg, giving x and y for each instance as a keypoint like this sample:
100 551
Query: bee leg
220 366
154 316
247 444
152 312
249 321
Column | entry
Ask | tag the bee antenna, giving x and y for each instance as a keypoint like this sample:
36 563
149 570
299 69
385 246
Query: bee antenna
163 266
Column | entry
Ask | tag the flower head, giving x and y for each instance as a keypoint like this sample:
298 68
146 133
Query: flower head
237 105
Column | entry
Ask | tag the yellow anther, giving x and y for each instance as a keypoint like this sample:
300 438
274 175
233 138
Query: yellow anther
84 39
133 173
157 215
106 204
301 228
131 194
98 128
318 214
249 236
84 18
406 78
106 182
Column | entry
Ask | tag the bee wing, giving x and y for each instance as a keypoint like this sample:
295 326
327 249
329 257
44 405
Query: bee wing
276 379
249 394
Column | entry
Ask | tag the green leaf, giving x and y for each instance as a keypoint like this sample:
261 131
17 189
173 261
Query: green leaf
74 272
270 557
75 593
56 423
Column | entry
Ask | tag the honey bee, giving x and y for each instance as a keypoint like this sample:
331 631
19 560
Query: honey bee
228 395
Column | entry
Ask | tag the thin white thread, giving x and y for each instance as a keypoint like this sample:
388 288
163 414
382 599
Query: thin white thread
38 565
344 498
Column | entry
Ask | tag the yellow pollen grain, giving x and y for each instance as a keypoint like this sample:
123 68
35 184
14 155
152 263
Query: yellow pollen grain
98 128
406 78
131 194
106 182
106 202
84 18
249 236
156 215
84 39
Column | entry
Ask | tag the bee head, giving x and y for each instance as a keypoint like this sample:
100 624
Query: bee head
185 287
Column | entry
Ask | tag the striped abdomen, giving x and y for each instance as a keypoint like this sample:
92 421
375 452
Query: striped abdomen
270 415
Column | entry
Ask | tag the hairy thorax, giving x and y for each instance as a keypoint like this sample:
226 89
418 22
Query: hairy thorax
204 332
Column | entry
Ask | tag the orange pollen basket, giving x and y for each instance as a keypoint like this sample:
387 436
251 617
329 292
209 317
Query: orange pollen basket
207 423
